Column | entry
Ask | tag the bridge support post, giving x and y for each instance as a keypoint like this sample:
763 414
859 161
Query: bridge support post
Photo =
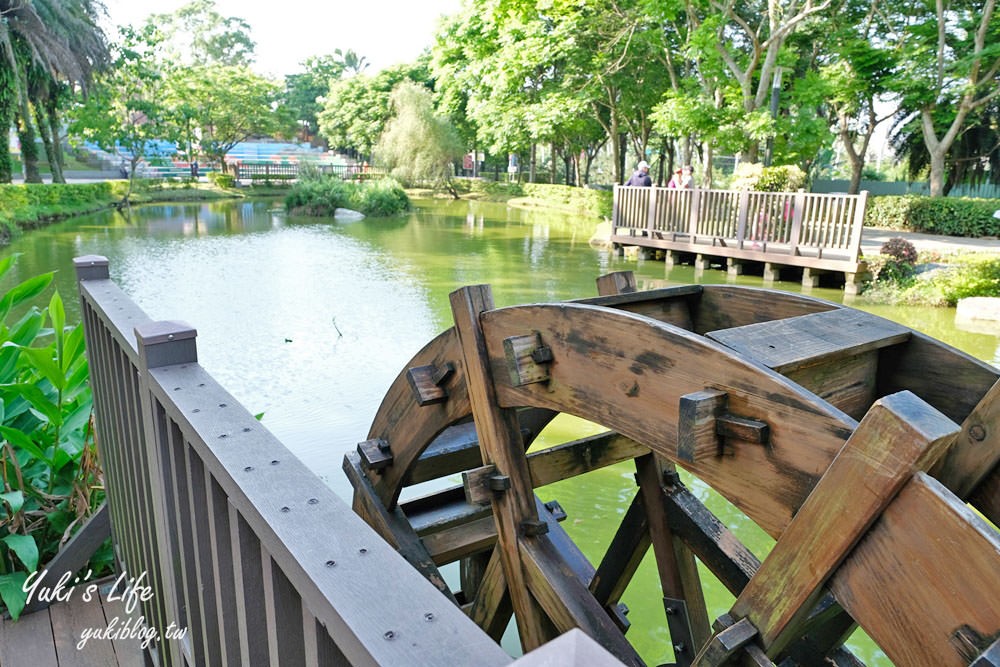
671 258
852 283
772 272
810 277
734 267
701 262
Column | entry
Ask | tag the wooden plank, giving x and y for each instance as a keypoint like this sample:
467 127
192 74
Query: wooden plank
128 652
675 563
75 554
844 503
628 374
568 602
249 579
409 427
696 436
623 556
797 342
977 448
729 306
491 609
75 621
283 610
618 282
986 498
501 444
849 384
926 569
27 642
450 544
392 525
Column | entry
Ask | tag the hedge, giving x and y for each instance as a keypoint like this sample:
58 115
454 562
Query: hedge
950 216
584 200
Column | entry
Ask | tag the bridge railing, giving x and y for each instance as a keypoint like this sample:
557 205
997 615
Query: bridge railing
248 557
793 223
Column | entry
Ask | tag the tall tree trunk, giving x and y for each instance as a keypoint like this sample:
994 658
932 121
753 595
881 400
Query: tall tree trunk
553 172
8 104
29 149
50 152
531 162
52 112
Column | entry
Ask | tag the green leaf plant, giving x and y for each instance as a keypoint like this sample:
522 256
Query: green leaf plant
51 479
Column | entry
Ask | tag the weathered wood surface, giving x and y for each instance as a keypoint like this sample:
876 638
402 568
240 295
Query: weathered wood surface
729 306
636 390
501 444
409 427
927 570
51 636
858 485
796 342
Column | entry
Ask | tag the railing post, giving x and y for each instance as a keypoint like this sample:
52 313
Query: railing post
91 267
616 213
651 210
742 208
858 225
694 215
166 344
797 211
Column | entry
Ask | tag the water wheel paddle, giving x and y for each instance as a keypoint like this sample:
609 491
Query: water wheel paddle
855 442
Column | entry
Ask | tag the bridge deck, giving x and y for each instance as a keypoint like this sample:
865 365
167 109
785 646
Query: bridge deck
52 636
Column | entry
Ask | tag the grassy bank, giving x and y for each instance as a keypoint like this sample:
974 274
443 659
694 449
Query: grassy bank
33 205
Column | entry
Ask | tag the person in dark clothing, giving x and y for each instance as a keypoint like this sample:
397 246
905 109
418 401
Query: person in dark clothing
640 176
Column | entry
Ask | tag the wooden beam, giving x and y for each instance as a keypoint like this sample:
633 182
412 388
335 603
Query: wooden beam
501 444
840 509
927 569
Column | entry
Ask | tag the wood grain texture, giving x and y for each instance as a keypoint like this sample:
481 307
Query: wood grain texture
409 427
899 586
728 306
28 642
628 373
501 444
796 342
858 485
71 619
977 448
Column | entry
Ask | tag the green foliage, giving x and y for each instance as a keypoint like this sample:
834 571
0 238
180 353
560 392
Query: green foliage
783 178
52 480
974 275
324 195
197 34
951 216
29 204
584 200
418 145
222 180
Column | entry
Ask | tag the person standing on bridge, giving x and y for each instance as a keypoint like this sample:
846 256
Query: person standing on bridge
640 176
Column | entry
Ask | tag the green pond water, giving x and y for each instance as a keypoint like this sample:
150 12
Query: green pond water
309 321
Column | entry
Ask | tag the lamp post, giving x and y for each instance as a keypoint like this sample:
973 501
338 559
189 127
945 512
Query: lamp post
775 95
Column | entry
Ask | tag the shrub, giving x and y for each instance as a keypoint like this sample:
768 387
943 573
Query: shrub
221 180
936 215
322 197
583 200
901 250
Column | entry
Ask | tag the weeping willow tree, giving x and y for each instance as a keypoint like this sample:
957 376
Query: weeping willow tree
419 145
44 45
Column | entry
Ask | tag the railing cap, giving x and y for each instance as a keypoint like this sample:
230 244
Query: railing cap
91 267
168 331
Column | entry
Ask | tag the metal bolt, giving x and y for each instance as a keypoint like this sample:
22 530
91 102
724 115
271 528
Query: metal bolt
977 432
222 405
389 635
313 501
679 647
275 462
196 410
170 336
286 510
331 563
671 611
248 469
428 617
362 551
223 435
247 429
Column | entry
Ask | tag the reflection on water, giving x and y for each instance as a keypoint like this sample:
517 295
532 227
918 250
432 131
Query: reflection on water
309 321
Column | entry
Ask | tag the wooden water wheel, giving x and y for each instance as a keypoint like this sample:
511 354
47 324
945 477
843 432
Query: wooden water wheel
858 444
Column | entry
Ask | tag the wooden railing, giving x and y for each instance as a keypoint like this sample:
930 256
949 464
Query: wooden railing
822 231
236 540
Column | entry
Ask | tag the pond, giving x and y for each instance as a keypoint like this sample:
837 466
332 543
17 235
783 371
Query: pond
308 322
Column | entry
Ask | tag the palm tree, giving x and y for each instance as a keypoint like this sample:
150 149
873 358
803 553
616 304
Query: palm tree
42 44
352 63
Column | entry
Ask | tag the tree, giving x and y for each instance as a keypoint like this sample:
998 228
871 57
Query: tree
229 104
126 108
197 34
351 63
356 110
58 39
303 91
950 70
418 144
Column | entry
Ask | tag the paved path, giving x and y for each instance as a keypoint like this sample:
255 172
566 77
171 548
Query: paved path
872 240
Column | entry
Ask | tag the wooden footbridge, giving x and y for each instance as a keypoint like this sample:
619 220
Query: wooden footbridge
820 233
867 450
